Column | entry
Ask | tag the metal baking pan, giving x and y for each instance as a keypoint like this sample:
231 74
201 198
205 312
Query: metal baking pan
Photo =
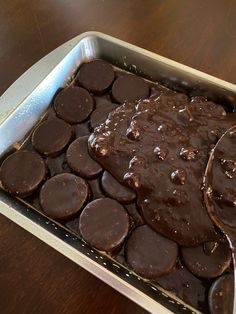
22 105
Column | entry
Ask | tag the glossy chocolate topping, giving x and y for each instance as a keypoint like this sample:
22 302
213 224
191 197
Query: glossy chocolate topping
160 148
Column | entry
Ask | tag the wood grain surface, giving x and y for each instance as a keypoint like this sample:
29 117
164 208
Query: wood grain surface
34 278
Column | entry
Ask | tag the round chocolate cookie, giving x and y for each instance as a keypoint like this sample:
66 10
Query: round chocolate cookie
150 254
116 190
104 224
96 76
100 114
221 295
129 88
186 286
79 160
51 136
22 172
220 180
62 196
73 104
204 265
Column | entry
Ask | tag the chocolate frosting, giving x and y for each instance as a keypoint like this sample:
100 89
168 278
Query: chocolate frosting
160 147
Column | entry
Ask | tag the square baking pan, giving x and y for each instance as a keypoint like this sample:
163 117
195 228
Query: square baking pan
23 104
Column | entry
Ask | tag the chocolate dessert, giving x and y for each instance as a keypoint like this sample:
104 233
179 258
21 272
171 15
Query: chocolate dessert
51 136
114 189
160 149
120 161
221 295
150 254
79 160
73 104
96 76
62 196
22 173
104 224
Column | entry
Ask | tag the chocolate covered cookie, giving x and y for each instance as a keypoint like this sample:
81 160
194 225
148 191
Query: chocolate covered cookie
116 190
206 265
73 104
22 172
220 182
104 224
150 254
129 88
52 136
96 76
186 286
63 196
221 295
100 114
80 161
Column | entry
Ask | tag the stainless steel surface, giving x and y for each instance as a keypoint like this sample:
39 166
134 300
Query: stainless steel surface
21 107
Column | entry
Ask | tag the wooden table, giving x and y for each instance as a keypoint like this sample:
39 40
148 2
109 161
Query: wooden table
34 278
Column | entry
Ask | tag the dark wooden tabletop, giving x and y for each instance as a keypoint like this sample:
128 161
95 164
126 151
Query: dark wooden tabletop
34 278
